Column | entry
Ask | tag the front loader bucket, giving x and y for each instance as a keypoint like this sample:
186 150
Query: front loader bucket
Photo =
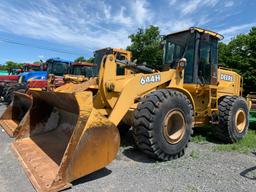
63 137
15 112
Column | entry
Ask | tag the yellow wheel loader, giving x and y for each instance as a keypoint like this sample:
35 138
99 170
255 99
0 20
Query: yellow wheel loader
13 115
65 136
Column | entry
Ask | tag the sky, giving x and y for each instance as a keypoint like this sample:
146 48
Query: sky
37 30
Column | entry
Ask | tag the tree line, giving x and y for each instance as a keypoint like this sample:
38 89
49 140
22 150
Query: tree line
240 55
10 65
13 65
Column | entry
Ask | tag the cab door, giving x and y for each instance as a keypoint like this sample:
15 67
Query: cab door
207 62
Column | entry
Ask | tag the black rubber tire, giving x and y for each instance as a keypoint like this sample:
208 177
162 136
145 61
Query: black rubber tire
123 129
6 93
148 119
9 94
228 107
1 90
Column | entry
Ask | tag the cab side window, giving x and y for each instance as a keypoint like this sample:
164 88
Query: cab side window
214 57
189 55
120 70
204 65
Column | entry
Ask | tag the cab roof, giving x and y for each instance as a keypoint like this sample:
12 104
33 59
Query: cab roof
57 59
200 30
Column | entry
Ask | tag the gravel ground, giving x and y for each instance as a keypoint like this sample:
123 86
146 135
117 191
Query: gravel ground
201 169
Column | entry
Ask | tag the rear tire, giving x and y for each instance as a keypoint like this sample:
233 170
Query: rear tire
233 119
162 124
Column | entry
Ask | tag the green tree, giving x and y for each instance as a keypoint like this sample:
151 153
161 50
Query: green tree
80 59
222 53
11 65
90 59
37 62
145 46
240 54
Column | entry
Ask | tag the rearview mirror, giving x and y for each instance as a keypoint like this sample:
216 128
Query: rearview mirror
181 64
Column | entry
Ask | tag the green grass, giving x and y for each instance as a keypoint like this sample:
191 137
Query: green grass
194 154
199 139
246 145
192 188
203 134
253 116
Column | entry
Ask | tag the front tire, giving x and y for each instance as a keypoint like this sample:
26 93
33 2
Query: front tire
163 124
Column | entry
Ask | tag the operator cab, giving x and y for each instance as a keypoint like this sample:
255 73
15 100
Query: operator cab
57 66
120 54
31 67
83 68
199 47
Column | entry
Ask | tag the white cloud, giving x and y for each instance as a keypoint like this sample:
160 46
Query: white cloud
121 18
97 24
175 25
107 10
232 31
228 3
203 21
193 5
237 29
88 24
41 56
172 2
140 11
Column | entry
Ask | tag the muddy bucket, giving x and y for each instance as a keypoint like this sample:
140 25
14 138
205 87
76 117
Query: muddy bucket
13 115
62 138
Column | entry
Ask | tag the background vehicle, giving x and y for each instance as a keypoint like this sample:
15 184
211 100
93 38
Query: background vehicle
11 80
84 69
252 99
31 67
36 77
81 71
55 67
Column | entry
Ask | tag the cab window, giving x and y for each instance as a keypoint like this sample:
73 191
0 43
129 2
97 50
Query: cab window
207 66
190 56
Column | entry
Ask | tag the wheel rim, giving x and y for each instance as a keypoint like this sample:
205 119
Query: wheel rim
174 127
240 120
